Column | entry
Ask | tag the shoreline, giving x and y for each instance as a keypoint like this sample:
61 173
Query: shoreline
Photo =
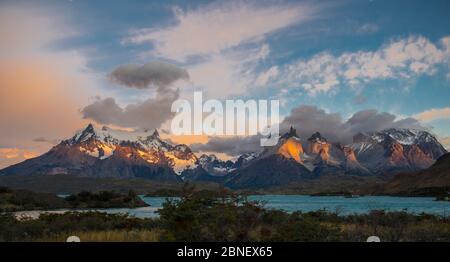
289 206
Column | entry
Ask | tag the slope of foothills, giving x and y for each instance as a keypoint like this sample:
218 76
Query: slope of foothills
108 153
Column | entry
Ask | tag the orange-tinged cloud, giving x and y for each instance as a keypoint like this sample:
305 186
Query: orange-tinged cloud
41 89
446 142
9 152
16 152
10 156
35 99
28 155
186 139
433 114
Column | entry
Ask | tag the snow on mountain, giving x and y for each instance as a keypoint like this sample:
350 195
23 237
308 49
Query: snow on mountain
396 149
403 136
215 166
218 167
105 152
382 152
101 143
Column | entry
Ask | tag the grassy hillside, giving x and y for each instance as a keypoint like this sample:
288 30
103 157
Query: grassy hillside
434 180
68 184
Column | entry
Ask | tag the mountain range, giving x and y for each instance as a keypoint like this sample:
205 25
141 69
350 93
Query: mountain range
105 152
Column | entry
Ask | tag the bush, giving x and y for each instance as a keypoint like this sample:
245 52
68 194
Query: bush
223 216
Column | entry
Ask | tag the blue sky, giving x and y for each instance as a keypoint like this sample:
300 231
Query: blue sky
342 26
340 56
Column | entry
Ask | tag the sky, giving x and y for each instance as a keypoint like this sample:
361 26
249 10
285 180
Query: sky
350 65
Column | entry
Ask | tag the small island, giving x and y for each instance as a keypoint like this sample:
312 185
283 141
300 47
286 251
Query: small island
12 200
105 199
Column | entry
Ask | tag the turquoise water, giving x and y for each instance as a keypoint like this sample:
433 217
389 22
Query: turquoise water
344 206
291 203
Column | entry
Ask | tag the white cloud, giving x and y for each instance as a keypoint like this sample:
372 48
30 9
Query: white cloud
219 26
219 76
227 74
368 28
227 40
264 77
433 114
401 59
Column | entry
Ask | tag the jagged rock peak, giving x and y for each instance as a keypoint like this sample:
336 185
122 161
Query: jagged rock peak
317 137
89 129
361 137
209 158
155 133
292 133
83 135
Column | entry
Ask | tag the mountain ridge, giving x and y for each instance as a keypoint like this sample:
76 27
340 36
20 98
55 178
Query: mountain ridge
105 152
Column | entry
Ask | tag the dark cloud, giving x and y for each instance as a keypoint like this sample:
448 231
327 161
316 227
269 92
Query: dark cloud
40 139
149 114
45 140
310 119
165 131
232 146
154 74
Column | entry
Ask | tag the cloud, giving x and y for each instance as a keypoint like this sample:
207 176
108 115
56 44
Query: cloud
149 114
205 76
433 114
26 30
233 146
9 156
223 40
446 143
310 119
401 59
218 26
154 74
368 28
42 88
45 140
235 71
10 153
264 77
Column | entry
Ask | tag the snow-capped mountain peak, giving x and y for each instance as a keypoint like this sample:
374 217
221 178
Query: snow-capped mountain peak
102 143
403 136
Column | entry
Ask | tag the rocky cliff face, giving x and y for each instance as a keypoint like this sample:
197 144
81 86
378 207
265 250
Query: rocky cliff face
109 153
382 153
395 150
291 148
435 180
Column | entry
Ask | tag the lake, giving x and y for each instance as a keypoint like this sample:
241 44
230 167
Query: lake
291 203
